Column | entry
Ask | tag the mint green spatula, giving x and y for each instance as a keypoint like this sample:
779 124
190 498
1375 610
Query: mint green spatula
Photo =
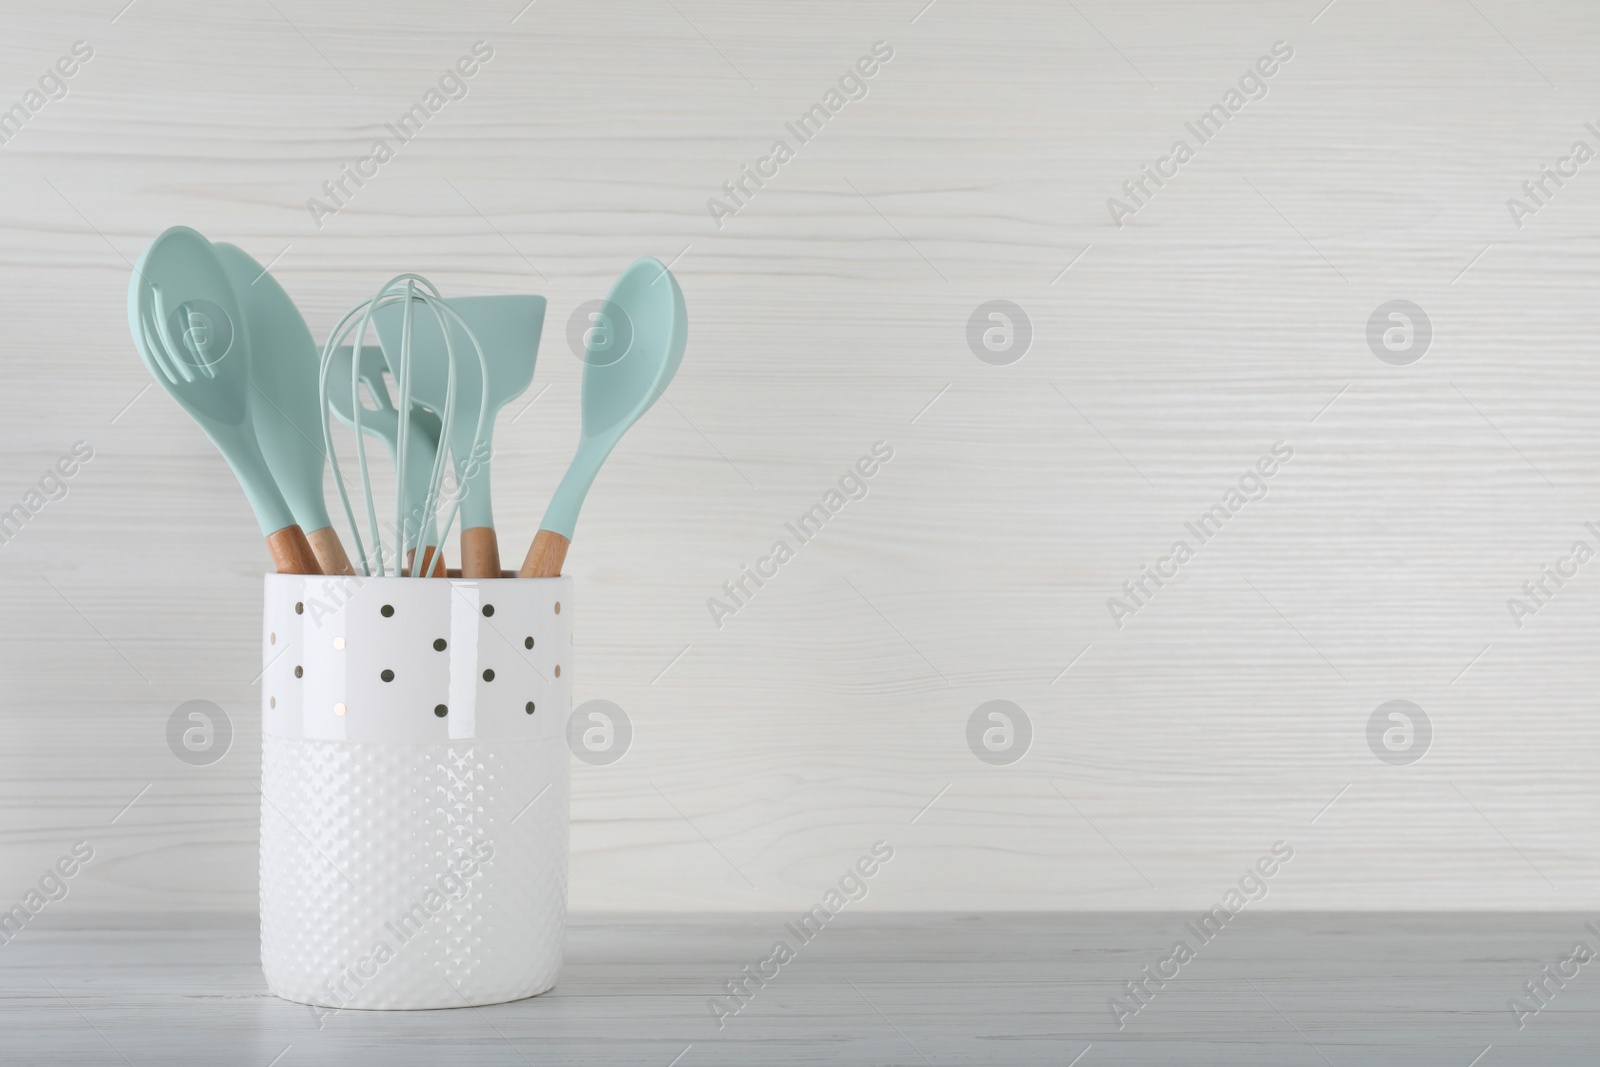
617 390
283 400
194 338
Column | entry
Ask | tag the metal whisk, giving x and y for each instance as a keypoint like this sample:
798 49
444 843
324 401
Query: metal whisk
413 531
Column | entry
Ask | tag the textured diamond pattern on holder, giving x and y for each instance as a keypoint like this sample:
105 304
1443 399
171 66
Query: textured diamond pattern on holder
412 876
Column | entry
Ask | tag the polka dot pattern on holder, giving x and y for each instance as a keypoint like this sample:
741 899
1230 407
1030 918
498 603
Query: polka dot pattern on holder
386 652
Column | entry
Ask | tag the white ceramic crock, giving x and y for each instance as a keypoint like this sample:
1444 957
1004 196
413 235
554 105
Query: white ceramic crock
414 789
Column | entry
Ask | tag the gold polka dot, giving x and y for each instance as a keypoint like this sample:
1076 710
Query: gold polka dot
272 702
338 709
338 642
272 639
558 670
558 607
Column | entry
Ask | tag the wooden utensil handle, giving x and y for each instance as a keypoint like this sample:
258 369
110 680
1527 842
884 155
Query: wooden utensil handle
329 551
433 565
545 556
291 552
480 553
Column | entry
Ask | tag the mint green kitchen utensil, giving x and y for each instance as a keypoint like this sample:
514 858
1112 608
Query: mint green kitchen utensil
419 299
283 400
647 309
508 328
383 422
193 336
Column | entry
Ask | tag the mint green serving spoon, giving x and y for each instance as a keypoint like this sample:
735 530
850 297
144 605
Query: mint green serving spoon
617 390
284 362
193 337
383 422
507 328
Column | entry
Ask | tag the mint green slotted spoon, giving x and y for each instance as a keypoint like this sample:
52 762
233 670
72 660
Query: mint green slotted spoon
508 328
193 336
283 400
618 388
383 422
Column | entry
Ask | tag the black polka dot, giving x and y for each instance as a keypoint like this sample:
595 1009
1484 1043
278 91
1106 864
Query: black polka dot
440 710
438 645
299 671
488 675
488 609
529 708
387 610
527 642
299 607
387 676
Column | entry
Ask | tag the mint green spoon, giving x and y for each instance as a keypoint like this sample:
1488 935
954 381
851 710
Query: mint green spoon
283 400
508 329
383 422
617 390
193 336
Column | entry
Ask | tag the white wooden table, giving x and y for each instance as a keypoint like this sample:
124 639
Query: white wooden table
987 990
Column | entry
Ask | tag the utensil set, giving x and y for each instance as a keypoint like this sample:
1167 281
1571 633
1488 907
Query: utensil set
224 339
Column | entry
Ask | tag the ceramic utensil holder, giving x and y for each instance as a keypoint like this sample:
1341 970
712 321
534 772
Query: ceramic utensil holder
414 789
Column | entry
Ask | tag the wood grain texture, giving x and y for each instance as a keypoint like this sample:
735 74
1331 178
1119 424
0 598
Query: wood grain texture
329 550
773 742
433 562
545 556
1001 990
291 552
480 553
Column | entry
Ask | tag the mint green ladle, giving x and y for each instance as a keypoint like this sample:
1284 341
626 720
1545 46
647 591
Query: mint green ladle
283 400
645 307
193 336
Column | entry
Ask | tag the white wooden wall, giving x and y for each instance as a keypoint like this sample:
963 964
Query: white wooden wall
830 313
